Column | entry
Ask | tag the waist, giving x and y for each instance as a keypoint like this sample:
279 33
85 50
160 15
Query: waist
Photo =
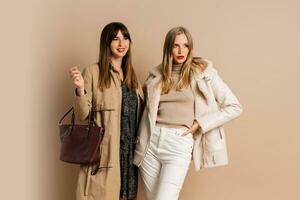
171 130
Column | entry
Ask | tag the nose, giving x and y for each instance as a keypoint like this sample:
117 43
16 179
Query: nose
121 42
179 50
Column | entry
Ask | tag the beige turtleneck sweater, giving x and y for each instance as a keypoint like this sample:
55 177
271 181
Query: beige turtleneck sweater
176 108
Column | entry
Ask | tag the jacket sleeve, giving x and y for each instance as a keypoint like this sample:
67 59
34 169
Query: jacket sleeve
229 106
83 104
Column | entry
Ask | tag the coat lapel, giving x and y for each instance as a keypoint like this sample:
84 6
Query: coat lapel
153 90
202 80
199 80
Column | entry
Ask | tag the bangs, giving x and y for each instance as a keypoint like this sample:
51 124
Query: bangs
119 27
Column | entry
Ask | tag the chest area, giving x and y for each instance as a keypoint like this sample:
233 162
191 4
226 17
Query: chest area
185 96
108 99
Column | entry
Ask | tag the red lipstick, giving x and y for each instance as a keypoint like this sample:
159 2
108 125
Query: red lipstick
180 57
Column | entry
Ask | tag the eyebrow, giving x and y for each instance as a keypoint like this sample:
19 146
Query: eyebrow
119 36
183 43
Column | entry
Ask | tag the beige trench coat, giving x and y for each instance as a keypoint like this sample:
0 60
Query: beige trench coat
105 185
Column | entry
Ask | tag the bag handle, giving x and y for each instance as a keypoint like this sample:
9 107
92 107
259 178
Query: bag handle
73 116
94 171
63 117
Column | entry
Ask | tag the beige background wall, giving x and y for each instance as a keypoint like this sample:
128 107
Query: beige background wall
254 45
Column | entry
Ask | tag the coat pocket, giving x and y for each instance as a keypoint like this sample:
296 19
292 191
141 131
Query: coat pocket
102 111
214 140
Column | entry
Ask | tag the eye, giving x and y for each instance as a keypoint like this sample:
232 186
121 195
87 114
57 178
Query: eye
126 38
186 45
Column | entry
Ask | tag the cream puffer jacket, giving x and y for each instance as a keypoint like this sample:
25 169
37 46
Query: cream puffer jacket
215 104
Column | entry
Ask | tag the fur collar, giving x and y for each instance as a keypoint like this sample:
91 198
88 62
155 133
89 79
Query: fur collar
200 79
206 74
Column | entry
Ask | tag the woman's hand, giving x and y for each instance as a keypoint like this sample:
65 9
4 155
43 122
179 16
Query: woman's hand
77 80
192 130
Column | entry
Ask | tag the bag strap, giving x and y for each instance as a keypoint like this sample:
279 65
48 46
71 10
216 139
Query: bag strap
95 171
63 117
90 116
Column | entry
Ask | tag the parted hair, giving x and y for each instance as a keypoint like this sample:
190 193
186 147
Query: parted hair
108 33
189 66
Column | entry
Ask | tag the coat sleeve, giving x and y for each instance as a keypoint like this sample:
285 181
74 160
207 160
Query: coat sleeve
83 104
229 106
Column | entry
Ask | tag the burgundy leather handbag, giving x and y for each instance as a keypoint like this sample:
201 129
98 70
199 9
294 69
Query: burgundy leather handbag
80 144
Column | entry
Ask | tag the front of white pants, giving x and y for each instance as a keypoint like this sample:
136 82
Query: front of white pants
166 163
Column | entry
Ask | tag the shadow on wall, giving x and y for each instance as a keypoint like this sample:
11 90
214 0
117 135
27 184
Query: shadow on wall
58 179
66 174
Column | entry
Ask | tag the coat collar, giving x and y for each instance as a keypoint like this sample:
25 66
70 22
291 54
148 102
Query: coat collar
117 81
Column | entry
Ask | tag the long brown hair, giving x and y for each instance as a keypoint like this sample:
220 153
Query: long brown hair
109 32
189 66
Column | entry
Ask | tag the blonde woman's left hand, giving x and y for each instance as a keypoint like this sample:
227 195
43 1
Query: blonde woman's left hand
192 130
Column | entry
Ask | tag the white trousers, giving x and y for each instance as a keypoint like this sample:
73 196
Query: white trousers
166 163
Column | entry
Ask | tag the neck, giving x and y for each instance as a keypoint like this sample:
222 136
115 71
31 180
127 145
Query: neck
117 62
177 66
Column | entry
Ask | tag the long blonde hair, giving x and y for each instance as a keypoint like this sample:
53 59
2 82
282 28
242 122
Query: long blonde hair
189 66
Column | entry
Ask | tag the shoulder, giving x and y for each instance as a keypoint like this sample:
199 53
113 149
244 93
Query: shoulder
207 71
92 68
156 71
90 71
153 73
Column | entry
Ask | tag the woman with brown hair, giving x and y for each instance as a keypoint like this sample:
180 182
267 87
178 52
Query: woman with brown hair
187 104
111 89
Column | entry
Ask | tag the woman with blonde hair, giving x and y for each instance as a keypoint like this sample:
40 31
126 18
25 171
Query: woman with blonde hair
187 104
112 91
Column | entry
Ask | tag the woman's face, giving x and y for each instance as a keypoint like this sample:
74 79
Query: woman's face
119 45
180 49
